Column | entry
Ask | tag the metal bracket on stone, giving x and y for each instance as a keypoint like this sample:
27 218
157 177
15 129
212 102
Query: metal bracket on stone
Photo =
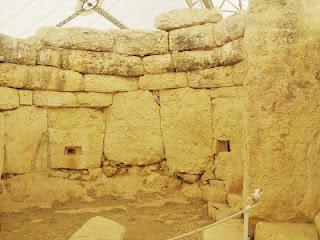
93 5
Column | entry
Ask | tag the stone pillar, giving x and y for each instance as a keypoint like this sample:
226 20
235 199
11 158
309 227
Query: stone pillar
283 112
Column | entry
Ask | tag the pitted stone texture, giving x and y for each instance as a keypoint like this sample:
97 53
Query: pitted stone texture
25 97
230 28
77 38
186 123
163 81
2 131
80 129
40 77
141 43
102 63
285 231
133 133
26 139
191 38
9 98
95 100
109 83
239 73
186 18
221 165
99 228
50 57
227 92
18 51
232 52
158 64
230 230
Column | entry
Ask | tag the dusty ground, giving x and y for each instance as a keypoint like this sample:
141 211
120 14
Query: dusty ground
148 211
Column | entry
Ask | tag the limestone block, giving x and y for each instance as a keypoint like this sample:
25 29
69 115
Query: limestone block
230 230
234 200
77 38
227 92
102 63
193 60
239 73
217 194
54 99
186 17
133 133
75 137
9 98
316 220
285 231
158 64
219 211
191 38
2 131
221 165
232 52
40 77
26 139
25 97
50 57
94 100
99 228
211 78
109 83
129 42
163 81
230 28
18 51
186 123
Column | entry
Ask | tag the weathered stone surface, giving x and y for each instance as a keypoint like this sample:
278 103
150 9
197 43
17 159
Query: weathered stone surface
239 73
50 57
282 43
219 211
158 64
40 77
190 38
211 78
26 139
221 165
102 63
227 92
25 97
2 131
109 83
77 38
235 200
316 220
163 81
96 100
133 129
285 231
9 98
75 137
17 51
230 230
232 52
217 194
99 228
129 42
230 28
186 17
186 123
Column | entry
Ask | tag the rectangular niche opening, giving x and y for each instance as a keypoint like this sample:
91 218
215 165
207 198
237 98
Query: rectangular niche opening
72 151
223 146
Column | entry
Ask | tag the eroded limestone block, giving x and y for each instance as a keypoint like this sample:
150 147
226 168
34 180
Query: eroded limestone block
227 92
54 99
163 81
75 137
190 38
221 165
102 63
285 231
18 51
77 38
186 123
158 64
109 83
26 139
239 73
9 98
99 228
230 230
186 17
50 57
40 77
133 129
25 97
95 100
2 131
141 43
232 52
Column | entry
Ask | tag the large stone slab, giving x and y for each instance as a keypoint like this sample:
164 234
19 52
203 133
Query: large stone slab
2 131
128 42
40 77
191 38
75 137
163 81
102 63
50 57
25 139
77 38
285 231
283 112
227 92
99 228
186 123
133 129
230 230
9 98
109 83
232 52
158 64
25 97
186 17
